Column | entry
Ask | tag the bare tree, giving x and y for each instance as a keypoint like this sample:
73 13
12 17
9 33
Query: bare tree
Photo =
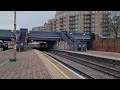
114 23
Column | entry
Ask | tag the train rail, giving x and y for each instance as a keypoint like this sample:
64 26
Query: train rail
71 67
94 65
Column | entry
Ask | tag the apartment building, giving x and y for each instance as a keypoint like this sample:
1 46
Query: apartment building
49 25
83 21
39 28
54 25
78 21
46 27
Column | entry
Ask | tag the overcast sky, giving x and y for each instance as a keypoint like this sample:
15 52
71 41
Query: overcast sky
25 19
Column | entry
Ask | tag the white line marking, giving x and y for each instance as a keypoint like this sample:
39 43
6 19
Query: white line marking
66 67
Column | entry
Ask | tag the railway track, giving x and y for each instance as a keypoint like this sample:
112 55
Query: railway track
69 66
96 66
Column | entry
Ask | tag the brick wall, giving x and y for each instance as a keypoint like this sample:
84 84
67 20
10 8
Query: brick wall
106 45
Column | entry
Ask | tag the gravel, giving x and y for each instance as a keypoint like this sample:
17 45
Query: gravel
91 72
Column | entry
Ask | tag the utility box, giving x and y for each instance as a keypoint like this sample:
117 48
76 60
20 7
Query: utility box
21 47
82 46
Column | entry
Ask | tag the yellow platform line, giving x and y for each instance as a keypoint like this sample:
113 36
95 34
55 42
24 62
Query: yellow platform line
38 53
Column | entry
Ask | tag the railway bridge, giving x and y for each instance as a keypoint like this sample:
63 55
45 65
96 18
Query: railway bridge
74 40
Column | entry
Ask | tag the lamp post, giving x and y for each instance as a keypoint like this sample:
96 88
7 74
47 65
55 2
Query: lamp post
72 40
14 54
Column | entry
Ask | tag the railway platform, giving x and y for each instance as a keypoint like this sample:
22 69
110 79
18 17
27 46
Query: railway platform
33 64
100 54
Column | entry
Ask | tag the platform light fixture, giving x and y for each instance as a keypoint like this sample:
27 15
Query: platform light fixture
82 42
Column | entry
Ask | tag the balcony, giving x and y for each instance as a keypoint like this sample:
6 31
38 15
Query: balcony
61 28
92 26
61 22
93 21
88 12
72 16
87 18
72 30
87 26
88 15
105 16
87 22
61 18
71 23
72 27
93 16
72 19
104 26
106 13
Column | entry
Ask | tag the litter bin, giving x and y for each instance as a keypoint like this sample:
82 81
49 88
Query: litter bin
84 48
20 47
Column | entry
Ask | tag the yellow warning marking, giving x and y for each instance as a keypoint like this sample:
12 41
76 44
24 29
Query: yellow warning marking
53 65
57 68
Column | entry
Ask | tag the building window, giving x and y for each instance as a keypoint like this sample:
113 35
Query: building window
93 12
76 25
93 16
76 30
76 21
76 17
88 12
76 12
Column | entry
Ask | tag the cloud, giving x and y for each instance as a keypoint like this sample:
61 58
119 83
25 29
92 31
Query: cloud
25 19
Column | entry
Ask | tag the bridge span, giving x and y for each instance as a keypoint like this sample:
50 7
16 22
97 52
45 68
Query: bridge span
73 40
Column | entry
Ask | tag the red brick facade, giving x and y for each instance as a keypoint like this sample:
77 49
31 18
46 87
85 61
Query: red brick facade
106 45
